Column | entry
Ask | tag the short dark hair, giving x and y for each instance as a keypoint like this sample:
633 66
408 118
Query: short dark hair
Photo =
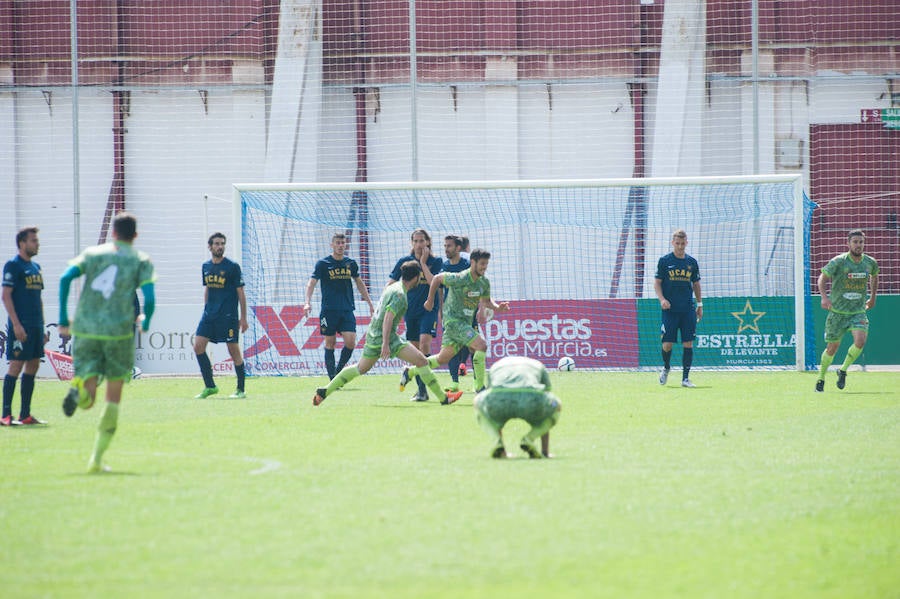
215 236
23 233
478 254
854 232
465 242
456 239
410 270
125 226
338 236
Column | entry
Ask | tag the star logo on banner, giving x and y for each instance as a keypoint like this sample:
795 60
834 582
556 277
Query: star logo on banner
749 319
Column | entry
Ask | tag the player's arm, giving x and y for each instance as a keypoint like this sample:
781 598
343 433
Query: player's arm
490 303
387 327
18 329
242 302
65 282
435 284
310 286
148 289
698 295
364 294
873 291
821 284
426 271
657 287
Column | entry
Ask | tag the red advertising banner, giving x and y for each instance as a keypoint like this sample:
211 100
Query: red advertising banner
596 333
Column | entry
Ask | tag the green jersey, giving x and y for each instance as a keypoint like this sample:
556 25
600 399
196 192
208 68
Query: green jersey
463 295
849 282
113 272
518 372
392 300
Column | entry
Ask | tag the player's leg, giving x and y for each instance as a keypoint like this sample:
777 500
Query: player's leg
9 385
493 428
687 327
668 335
835 328
27 390
371 354
542 413
411 354
349 339
109 420
478 347
425 341
859 329
87 359
202 338
237 358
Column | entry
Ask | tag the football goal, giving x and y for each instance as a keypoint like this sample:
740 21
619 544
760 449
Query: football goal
576 259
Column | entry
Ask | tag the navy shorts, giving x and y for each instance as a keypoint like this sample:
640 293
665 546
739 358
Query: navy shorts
332 322
31 349
424 325
673 322
219 330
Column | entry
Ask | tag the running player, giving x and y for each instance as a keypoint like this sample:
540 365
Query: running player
454 262
467 290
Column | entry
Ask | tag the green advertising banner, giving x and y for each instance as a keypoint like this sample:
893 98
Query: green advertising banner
736 332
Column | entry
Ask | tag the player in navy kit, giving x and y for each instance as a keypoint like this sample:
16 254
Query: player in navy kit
223 292
421 324
337 273
25 336
677 283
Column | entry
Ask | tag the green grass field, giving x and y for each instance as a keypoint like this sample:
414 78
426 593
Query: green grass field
749 486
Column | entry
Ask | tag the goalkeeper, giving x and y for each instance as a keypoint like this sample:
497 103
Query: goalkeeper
518 387
382 340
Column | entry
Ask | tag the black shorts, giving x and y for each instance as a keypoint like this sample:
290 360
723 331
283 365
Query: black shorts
31 349
673 322
423 325
219 329
332 322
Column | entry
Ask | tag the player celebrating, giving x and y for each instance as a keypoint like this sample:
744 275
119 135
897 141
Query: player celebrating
223 292
518 387
103 328
852 274
25 336
467 290
677 279
382 340
421 324
336 316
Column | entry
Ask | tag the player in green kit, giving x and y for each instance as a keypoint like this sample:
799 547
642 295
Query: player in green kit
852 274
382 340
103 331
466 291
518 387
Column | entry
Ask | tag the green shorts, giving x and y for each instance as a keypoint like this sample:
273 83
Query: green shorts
499 405
112 359
372 348
837 325
458 334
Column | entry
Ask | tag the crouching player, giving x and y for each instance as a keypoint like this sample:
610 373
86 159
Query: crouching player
382 340
518 387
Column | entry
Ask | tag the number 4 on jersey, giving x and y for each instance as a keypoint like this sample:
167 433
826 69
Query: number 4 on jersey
105 282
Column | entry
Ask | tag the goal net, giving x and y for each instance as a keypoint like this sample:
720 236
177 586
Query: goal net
575 259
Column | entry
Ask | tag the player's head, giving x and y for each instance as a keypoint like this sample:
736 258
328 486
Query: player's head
856 241
216 243
339 243
452 246
479 260
465 243
125 227
420 241
679 240
27 241
410 271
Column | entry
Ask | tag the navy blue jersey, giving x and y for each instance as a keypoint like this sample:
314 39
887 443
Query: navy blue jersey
450 267
678 276
337 282
418 294
27 282
222 281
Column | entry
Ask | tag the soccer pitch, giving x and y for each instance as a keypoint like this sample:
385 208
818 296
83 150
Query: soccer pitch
750 485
